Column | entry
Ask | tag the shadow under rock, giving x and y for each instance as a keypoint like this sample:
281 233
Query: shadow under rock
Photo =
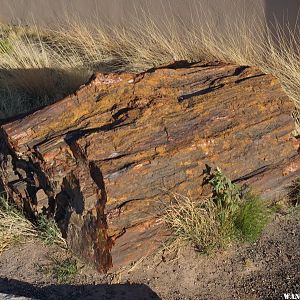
86 291
24 91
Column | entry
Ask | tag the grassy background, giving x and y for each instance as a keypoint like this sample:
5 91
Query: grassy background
39 66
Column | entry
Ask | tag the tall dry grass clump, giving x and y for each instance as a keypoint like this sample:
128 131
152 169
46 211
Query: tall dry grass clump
14 227
40 66
35 71
192 222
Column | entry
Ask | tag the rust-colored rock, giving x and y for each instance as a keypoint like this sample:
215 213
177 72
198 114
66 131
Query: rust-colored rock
106 155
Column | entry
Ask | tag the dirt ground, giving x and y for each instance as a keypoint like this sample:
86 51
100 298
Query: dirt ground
264 270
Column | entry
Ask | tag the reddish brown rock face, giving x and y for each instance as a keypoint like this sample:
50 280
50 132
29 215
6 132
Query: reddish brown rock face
108 156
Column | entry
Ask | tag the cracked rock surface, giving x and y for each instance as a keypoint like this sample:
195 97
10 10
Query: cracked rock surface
104 160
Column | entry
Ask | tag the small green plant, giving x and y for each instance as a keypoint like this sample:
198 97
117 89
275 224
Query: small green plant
49 231
227 197
63 271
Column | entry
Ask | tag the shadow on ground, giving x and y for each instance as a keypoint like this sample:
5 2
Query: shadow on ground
87 291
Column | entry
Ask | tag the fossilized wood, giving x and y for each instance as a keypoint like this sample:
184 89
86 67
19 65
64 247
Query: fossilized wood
107 156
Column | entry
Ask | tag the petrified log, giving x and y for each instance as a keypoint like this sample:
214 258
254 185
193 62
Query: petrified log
103 160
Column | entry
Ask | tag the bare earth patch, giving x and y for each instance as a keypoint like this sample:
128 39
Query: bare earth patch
264 270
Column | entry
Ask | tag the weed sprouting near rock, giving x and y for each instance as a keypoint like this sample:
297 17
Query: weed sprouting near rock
229 215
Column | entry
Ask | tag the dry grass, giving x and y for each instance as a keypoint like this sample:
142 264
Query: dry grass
215 222
34 71
14 227
193 222
61 60
49 231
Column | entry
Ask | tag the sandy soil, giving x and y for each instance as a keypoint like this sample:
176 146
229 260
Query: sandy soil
264 270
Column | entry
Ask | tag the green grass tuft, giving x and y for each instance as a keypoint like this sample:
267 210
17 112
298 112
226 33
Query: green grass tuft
62 270
251 218
65 271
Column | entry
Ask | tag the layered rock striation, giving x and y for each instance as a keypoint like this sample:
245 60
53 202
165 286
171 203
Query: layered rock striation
104 160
